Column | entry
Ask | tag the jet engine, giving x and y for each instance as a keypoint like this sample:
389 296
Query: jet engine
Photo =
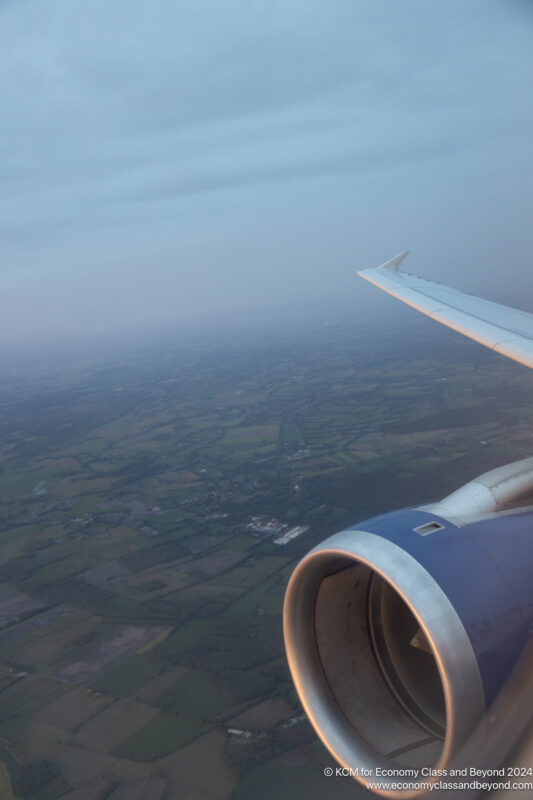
401 630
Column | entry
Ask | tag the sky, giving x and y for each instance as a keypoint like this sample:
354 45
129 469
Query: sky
186 159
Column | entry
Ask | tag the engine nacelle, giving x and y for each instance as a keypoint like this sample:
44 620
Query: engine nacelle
401 630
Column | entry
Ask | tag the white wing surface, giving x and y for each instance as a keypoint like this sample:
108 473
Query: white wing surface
505 330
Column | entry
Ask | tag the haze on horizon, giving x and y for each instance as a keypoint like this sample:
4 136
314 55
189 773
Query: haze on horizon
165 162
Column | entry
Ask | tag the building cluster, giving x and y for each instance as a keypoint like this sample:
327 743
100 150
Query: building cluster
262 525
292 534
246 735
276 528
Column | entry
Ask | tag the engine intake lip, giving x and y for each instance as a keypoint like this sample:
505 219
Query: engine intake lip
457 665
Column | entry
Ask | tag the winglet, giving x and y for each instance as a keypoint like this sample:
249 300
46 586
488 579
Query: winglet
390 266
393 264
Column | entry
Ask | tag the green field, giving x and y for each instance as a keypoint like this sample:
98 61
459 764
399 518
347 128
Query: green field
182 639
240 543
160 736
22 483
30 692
130 675
251 436
6 790
267 597
254 570
291 433
195 695
275 779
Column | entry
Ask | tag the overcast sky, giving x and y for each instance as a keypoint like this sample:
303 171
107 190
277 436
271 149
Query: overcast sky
172 159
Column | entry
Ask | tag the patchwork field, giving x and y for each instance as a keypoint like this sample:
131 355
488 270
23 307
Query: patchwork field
141 587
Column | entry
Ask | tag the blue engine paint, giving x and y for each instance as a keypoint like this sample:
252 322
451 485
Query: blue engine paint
484 568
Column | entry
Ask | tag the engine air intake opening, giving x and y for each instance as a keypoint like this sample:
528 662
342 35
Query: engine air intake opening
405 657
379 665
380 658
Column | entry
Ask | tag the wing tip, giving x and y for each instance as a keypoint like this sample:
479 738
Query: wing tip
392 265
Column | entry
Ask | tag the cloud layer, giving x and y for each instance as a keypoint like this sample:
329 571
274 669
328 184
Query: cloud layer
173 159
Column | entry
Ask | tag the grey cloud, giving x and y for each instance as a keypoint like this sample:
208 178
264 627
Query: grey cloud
136 133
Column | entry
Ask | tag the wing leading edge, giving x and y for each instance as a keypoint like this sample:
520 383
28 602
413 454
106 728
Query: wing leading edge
503 329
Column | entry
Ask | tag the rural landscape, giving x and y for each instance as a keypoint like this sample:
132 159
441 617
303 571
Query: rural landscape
154 501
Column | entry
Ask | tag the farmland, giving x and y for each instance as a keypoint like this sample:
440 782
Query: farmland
140 584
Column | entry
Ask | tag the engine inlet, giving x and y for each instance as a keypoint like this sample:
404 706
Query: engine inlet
379 657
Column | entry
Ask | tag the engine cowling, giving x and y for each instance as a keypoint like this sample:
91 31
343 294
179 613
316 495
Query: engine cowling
401 630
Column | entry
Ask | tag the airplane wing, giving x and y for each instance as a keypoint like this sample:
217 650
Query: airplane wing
503 329
359 604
